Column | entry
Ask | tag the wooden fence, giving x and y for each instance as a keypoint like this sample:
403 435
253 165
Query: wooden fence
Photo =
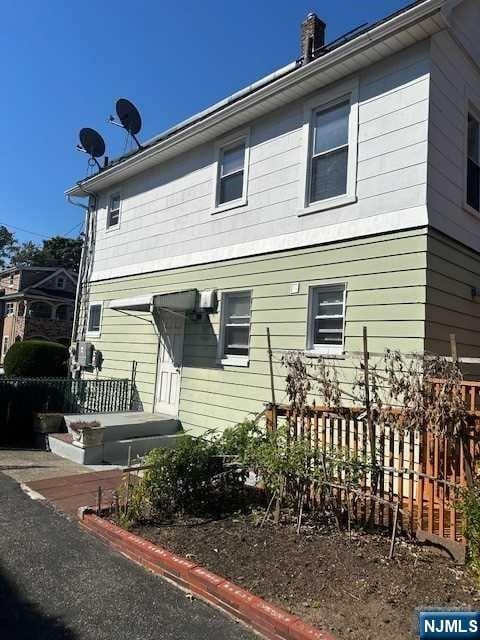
420 474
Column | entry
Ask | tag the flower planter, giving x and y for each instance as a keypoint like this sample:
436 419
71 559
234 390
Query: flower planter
88 437
48 423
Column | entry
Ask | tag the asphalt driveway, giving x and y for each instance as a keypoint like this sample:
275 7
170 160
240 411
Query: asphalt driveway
57 582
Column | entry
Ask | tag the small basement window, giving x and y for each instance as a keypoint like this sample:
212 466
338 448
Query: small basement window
473 163
327 319
94 318
235 329
113 214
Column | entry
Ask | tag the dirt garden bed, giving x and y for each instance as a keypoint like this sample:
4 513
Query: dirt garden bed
346 586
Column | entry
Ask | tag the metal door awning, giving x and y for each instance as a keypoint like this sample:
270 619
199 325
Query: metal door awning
179 301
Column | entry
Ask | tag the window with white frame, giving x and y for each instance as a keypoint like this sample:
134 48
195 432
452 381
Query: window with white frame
329 152
94 318
5 345
473 163
231 177
9 308
113 213
327 319
235 329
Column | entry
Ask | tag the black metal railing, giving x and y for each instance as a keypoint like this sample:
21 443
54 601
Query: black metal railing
21 398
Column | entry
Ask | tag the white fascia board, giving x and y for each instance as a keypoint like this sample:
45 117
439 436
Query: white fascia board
287 78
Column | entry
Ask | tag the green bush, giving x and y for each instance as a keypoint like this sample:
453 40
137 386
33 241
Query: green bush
36 359
468 504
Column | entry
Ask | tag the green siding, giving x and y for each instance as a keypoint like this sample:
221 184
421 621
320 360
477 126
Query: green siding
386 290
452 271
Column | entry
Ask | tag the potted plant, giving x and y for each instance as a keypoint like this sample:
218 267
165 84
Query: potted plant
87 434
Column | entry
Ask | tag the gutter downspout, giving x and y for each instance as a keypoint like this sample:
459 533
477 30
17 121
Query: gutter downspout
83 259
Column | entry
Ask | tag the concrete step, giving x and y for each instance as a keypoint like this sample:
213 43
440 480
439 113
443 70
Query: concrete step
132 424
117 452
111 452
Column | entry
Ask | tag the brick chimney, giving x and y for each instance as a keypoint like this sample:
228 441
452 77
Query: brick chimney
312 36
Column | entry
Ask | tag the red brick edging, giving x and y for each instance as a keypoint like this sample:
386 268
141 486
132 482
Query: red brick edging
270 621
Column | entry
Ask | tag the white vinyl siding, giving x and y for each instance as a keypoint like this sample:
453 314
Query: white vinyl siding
235 329
326 319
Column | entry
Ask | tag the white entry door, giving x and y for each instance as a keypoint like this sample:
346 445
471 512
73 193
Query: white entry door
169 364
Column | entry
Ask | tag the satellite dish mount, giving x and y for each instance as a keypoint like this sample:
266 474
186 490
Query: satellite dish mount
129 117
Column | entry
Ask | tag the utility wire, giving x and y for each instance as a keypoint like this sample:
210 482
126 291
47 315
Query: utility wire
32 233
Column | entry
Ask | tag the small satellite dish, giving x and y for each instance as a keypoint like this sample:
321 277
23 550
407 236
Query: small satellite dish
129 117
92 142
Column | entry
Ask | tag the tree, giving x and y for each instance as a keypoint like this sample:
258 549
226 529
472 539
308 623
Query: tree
25 255
7 245
55 252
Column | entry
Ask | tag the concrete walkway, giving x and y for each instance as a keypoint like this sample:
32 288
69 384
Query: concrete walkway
58 583
25 465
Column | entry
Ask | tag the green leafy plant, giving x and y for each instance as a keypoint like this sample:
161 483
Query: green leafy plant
468 504
36 359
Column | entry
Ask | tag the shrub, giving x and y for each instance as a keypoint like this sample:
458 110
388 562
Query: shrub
468 504
181 479
36 359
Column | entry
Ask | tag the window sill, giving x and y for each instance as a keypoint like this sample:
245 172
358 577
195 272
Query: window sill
228 206
324 205
234 362
317 353
93 334
113 227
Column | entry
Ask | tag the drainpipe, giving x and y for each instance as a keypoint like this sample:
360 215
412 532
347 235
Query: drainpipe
84 257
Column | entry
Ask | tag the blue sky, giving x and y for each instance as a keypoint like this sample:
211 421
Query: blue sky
64 63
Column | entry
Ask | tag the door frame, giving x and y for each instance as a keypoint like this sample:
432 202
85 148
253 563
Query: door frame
157 320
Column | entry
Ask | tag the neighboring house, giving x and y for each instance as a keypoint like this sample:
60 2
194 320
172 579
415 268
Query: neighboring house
36 303
341 191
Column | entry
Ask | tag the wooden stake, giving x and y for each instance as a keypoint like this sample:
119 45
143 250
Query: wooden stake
272 382
278 504
394 532
300 513
99 500
368 411
264 519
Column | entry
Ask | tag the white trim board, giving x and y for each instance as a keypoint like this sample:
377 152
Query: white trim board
394 221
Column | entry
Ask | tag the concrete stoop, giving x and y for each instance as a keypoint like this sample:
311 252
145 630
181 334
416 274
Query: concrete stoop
136 433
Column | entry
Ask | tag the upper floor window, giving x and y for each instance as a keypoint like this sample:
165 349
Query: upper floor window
235 328
327 319
330 131
231 175
113 213
94 318
60 282
11 279
473 163
329 161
